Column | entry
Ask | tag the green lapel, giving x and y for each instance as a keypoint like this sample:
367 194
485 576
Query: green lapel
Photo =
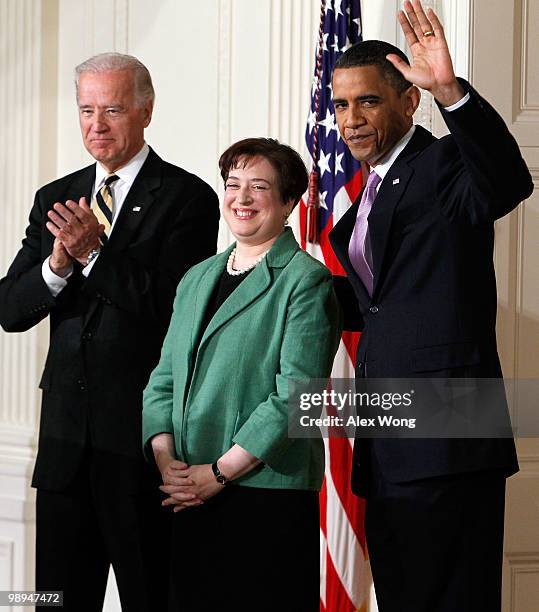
206 287
250 289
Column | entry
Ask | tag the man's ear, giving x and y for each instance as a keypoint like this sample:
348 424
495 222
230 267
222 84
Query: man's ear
147 110
412 97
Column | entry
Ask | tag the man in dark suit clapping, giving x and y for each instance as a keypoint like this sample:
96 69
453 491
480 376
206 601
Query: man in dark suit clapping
418 252
104 251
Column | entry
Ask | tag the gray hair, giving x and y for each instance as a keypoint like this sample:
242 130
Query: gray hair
111 61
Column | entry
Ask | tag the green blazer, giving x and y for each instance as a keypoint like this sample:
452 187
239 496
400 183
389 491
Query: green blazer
281 323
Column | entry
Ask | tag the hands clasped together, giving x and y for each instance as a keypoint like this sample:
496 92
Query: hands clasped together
76 231
188 486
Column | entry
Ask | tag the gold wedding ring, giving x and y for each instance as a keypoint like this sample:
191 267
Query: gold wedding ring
428 33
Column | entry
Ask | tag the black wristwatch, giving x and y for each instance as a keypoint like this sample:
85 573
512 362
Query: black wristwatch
221 478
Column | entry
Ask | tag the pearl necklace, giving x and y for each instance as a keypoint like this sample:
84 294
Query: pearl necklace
230 264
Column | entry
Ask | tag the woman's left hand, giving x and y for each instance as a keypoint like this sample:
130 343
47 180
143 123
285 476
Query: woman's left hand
204 486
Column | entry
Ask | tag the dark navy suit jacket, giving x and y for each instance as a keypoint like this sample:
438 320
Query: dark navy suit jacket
433 308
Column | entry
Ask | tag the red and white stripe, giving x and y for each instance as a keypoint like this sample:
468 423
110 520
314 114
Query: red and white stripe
344 568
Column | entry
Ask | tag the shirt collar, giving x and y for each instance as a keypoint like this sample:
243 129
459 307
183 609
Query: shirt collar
382 168
127 173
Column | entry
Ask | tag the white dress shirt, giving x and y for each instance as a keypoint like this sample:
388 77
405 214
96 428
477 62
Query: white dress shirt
120 188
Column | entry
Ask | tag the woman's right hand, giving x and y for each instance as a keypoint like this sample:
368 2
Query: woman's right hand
174 484
170 467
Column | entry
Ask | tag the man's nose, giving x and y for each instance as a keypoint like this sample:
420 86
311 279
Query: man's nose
98 123
354 117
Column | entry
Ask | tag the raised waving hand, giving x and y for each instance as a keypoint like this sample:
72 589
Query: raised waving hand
431 66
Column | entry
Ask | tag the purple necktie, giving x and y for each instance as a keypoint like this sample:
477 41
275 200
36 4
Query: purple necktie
359 249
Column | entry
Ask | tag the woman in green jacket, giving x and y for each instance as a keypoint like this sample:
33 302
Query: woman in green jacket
246 529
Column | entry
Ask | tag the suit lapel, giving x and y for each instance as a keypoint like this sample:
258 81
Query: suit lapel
206 287
137 202
80 185
340 239
380 218
381 215
140 196
391 190
254 285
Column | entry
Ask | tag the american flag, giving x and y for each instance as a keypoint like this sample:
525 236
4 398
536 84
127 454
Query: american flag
336 182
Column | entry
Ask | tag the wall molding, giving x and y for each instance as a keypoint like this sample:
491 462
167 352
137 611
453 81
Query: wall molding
224 72
224 110
520 565
519 288
28 96
7 563
526 112
20 67
106 26
529 463
121 26
534 171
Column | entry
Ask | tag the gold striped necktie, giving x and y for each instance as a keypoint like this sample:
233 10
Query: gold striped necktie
103 205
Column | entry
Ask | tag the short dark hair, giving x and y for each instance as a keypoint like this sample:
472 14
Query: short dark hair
373 53
292 177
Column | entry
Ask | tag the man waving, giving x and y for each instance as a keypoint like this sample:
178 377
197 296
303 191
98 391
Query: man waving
418 252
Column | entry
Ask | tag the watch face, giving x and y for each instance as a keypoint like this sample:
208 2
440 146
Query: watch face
92 255
221 479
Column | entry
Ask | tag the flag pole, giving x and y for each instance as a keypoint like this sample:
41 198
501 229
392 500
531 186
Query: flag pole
313 201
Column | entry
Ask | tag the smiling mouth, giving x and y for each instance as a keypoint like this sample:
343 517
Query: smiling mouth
244 213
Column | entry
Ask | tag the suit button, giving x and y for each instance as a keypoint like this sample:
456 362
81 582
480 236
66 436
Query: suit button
98 296
87 336
374 309
109 302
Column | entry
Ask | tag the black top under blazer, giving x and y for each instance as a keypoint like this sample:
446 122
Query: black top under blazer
106 330
433 308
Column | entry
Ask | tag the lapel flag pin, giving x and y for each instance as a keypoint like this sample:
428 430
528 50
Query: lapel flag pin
396 181
136 208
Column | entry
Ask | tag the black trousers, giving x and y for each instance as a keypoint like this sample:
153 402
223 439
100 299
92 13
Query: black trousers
94 523
436 545
247 550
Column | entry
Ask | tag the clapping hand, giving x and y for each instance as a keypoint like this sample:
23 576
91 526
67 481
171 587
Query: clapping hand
61 261
76 227
431 67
